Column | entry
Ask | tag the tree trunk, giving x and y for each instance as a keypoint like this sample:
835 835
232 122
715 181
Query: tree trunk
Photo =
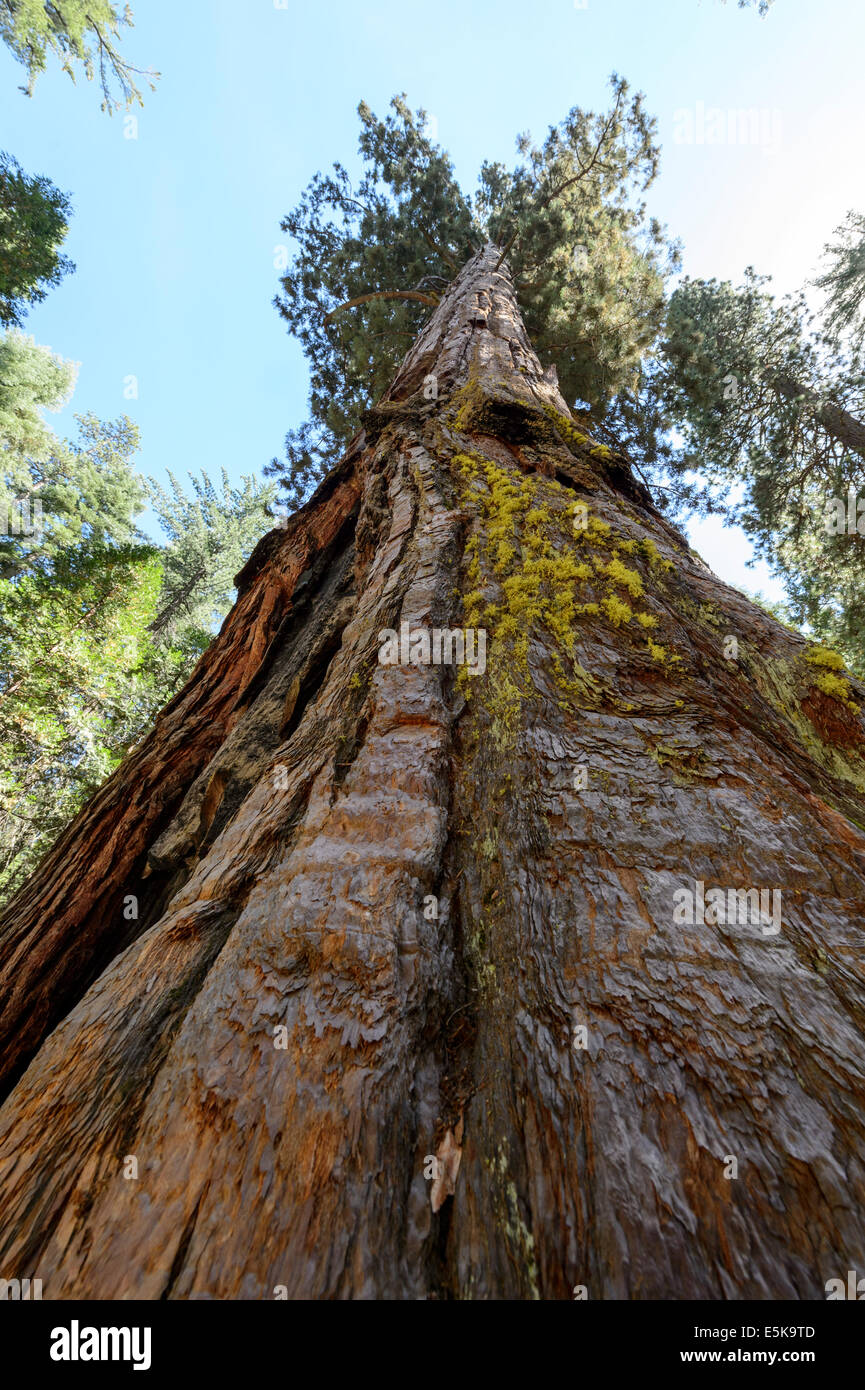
838 423
413 1005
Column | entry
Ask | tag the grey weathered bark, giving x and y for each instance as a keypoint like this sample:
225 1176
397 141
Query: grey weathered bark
433 881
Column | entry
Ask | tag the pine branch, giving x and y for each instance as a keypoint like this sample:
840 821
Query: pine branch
383 294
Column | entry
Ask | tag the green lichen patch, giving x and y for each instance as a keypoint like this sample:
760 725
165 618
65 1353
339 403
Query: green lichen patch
617 610
686 762
703 613
824 656
830 729
521 553
627 578
829 663
538 563
576 439
519 1238
653 555
835 686
477 408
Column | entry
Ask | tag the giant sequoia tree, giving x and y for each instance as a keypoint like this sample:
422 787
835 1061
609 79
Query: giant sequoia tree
362 979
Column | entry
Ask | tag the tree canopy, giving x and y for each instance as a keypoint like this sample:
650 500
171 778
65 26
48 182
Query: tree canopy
34 218
590 264
100 624
725 398
83 34
843 280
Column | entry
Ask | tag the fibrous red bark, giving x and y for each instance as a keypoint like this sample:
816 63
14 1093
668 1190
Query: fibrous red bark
412 1006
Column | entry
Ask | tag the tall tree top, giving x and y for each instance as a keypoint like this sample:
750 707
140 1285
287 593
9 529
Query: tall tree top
477 329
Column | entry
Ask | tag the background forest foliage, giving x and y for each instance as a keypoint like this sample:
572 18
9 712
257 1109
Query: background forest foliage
100 625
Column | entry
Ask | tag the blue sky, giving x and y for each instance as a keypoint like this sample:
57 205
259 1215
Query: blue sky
175 231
